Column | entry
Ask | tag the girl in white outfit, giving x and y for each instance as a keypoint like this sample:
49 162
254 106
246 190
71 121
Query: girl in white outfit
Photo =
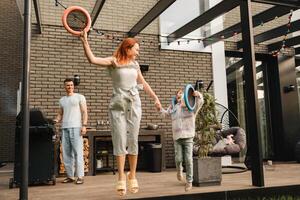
183 129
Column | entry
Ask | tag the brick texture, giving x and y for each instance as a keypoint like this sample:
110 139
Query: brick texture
116 15
57 55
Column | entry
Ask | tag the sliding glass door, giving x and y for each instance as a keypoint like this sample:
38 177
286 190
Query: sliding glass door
237 102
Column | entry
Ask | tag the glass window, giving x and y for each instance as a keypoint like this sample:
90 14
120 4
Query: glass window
177 15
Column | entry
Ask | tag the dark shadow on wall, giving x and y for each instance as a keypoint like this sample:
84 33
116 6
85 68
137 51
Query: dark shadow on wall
11 33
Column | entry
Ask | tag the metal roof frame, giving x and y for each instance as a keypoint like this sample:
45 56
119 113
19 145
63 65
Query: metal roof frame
273 33
96 10
206 17
265 16
288 3
297 51
153 13
288 43
234 67
37 11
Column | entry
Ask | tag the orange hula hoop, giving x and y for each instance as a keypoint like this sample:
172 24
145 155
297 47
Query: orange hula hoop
68 11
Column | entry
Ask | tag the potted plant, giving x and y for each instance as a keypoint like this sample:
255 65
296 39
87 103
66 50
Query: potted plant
207 170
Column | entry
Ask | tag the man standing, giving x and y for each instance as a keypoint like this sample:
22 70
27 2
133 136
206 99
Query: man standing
73 115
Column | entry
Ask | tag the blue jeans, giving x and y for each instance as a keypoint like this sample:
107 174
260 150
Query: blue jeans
184 151
72 147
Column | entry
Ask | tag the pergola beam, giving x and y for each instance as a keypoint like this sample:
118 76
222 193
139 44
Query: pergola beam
252 107
297 51
260 81
297 61
288 3
288 43
273 33
157 9
206 17
264 17
38 15
238 65
96 10
234 67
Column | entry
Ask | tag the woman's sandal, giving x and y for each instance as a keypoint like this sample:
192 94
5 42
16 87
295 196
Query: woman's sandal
133 185
121 188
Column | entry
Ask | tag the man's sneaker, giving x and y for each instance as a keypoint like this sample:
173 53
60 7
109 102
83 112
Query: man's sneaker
188 186
179 175
68 180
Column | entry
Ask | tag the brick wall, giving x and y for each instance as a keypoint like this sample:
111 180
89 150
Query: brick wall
10 66
57 55
116 15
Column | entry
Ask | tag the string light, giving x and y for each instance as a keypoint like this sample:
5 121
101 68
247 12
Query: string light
262 23
187 40
164 38
283 45
99 32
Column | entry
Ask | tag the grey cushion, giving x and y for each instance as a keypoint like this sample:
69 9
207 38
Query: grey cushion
232 148
239 137
219 147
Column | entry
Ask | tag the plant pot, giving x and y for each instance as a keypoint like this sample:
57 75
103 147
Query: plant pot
207 171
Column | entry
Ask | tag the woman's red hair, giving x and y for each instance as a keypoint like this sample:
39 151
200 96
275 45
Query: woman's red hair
121 52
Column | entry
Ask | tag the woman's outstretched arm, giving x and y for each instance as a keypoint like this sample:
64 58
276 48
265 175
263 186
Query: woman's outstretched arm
89 54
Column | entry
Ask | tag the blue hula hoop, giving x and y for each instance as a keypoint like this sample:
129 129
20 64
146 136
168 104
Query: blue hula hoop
188 97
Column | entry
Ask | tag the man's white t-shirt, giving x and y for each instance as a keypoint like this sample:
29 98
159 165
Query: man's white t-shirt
71 110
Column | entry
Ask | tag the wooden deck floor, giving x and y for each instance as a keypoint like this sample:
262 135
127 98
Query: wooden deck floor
151 185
